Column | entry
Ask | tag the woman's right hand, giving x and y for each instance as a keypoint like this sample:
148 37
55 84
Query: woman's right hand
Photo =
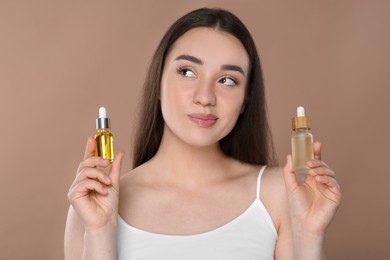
94 193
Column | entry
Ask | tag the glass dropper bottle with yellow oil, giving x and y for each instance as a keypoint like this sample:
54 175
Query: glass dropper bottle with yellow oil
104 138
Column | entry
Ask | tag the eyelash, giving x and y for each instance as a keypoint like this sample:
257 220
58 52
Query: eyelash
229 78
183 70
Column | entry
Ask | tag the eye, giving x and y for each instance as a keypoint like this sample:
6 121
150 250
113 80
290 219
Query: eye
186 72
228 81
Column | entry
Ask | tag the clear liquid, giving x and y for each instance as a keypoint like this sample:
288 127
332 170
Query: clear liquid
302 151
105 144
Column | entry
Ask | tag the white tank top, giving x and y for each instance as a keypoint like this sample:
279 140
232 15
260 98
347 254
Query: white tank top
251 235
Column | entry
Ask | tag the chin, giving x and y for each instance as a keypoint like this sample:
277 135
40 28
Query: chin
202 141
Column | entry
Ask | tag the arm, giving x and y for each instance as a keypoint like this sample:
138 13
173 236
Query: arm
312 206
80 244
91 224
74 236
292 244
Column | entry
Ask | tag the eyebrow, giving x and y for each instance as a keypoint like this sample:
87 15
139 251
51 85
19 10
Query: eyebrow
200 62
233 67
190 58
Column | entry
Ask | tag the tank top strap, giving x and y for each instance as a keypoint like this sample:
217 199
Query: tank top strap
259 181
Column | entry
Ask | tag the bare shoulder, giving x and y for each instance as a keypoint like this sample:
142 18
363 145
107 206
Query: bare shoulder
132 175
273 194
136 188
135 179
273 175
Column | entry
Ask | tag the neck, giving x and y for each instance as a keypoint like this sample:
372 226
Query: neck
193 165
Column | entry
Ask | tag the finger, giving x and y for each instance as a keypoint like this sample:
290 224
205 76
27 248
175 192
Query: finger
90 149
84 188
94 174
116 165
316 163
324 171
331 184
289 175
317 150
93 162
328 180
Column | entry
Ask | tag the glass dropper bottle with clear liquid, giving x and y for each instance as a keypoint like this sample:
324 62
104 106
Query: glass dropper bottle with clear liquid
301 144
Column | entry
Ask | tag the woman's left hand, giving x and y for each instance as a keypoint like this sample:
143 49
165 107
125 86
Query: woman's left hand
312 204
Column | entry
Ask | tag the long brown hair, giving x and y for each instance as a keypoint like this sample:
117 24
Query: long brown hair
250 140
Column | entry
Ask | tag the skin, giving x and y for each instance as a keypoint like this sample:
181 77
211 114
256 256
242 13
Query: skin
190 186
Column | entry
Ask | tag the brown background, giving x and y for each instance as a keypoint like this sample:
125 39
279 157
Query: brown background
61 60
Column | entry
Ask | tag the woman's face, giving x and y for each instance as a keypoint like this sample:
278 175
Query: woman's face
203 86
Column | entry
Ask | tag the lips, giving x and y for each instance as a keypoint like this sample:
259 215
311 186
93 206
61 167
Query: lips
203 120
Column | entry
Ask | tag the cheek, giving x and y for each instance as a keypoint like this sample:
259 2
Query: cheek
168 93
233 108
235 103
172 99
165 93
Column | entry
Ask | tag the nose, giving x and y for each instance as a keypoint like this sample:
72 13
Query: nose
204 95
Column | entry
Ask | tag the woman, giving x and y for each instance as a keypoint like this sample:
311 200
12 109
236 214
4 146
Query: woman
199 188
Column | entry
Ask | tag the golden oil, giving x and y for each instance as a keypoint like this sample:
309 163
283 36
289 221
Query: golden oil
105 144
104 138
301 144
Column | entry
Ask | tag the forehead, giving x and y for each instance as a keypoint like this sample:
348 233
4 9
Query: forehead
212 46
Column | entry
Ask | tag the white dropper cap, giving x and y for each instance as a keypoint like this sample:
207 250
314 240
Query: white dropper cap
102 112
102 122
300 111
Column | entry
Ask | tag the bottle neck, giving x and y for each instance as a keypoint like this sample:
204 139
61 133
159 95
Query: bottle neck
103 129
102 123
302 129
